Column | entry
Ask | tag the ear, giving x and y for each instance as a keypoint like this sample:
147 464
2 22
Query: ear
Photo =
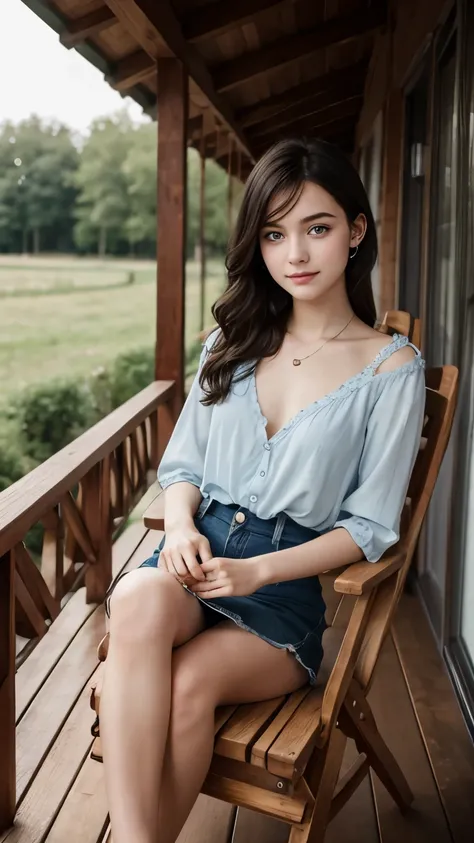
358 230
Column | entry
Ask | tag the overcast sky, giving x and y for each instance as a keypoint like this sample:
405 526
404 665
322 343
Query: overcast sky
39 76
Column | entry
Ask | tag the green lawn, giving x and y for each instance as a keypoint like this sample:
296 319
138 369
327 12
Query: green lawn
63 315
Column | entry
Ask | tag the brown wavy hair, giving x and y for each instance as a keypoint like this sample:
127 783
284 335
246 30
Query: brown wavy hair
253 311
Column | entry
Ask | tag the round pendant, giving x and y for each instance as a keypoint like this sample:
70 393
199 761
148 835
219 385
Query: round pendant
296 362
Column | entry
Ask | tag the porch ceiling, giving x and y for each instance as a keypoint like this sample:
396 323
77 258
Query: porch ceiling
259 69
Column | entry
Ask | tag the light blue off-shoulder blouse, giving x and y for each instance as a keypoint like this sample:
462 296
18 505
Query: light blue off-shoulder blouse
342 461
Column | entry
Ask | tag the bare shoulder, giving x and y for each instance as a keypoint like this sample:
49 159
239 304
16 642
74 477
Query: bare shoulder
373 342
398 358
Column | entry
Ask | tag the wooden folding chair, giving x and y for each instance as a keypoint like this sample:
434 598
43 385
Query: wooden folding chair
283 757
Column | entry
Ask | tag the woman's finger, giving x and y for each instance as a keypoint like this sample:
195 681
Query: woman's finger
163 562
210 592
193 566
178 566
209 566
205 550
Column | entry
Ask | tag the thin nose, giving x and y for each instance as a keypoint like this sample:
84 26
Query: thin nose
298 253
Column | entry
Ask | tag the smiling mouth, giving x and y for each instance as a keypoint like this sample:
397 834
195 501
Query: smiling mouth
300 276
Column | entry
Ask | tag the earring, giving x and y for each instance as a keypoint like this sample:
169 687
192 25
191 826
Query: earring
356 249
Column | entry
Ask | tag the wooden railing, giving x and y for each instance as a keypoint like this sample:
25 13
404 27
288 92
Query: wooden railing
81 496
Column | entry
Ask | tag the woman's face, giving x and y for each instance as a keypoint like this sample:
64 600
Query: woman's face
307 249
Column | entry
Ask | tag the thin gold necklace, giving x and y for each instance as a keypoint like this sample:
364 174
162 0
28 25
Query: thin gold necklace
298 360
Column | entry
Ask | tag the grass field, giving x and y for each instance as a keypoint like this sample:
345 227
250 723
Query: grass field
65 315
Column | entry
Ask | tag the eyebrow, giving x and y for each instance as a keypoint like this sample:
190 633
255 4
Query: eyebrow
311 218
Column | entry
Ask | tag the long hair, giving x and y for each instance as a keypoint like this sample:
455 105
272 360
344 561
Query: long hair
253 311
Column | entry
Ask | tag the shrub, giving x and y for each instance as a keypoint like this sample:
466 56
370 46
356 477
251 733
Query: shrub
51 415
131 372
12 466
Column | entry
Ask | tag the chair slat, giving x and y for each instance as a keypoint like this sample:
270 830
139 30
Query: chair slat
245 727
288 755
261 747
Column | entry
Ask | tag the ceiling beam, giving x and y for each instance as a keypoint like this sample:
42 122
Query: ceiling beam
338 30
279 102
131 70
326 131
344 138
81 28
157 30
338 111
320 104
221 16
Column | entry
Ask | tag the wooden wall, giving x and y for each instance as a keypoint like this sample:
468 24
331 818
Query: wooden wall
396 54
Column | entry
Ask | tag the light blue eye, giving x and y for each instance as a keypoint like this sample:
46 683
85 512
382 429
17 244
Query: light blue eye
272 235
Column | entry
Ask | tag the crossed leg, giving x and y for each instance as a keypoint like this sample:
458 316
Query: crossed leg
221 666
165 676
150 614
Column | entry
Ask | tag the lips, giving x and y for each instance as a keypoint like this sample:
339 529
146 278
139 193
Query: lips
303 278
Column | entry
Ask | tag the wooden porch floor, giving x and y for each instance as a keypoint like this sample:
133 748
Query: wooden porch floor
61 792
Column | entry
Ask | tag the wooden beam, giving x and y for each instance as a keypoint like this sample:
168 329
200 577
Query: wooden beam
329 100
157 30
171 235
131 70
7 691
333 131
280 102
335 113
285 50
392 169
78 30
221 16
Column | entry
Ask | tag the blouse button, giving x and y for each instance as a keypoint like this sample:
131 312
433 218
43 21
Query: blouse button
253 498
262 474
266 446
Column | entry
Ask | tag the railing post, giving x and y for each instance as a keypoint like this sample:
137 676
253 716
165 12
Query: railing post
98 520
7 692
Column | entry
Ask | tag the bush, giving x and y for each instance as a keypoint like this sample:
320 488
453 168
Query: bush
45 418
12 466
131 372
51 415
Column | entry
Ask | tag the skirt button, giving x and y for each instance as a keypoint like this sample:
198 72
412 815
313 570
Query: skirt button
240 517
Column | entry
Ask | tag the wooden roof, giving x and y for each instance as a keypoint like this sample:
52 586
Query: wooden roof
259 69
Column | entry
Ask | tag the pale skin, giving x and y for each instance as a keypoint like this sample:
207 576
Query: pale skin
166 673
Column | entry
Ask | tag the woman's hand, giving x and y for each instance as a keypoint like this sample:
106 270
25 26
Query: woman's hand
229 577
178 554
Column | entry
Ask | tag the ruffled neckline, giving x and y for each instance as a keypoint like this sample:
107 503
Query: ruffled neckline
349 386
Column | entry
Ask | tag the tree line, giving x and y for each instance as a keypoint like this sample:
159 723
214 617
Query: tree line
94 194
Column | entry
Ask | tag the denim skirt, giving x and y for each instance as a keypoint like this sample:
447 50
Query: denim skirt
289 614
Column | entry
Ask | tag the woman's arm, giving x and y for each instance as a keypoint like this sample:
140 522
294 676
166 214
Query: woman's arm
236 577
181 502
332 550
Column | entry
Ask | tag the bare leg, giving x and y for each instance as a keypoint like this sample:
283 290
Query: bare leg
223 665
150 614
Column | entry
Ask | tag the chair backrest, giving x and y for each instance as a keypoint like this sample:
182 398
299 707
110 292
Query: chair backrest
401 322
441 393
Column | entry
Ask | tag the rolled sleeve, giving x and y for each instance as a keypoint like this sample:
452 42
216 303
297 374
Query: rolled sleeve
183 459
371 513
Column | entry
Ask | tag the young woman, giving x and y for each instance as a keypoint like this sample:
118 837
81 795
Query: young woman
292 456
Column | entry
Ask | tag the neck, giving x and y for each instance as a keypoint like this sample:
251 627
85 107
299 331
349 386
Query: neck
311 321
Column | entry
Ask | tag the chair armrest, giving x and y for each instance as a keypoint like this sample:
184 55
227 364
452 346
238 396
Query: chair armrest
154 515
363 576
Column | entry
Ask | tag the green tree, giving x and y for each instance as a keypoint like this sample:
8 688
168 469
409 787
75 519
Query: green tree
139 169
102 206
37 193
